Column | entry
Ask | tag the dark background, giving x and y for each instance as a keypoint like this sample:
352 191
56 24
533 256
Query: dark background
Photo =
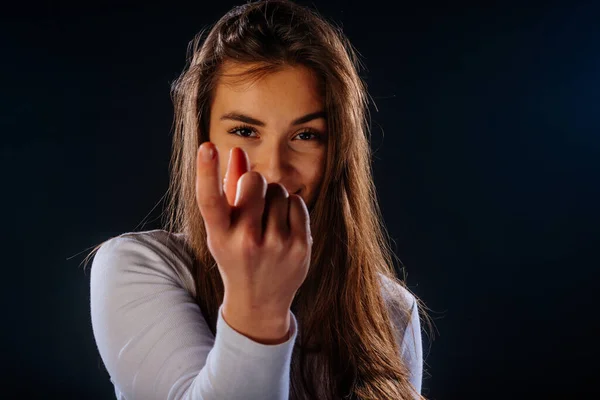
487 139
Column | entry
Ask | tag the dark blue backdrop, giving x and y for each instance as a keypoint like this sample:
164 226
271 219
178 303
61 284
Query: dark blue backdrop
487 139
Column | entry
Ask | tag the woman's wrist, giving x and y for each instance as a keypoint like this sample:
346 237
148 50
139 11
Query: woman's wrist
271 331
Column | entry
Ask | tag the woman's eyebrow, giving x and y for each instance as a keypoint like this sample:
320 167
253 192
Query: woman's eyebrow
237 116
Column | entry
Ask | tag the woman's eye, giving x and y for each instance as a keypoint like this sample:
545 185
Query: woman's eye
246 132
243 131
308 133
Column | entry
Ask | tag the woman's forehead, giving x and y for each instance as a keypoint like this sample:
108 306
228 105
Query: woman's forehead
284 87
244 75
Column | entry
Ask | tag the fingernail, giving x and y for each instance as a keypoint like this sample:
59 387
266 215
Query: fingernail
207 153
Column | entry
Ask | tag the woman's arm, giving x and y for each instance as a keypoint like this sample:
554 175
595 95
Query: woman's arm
155 342
412 348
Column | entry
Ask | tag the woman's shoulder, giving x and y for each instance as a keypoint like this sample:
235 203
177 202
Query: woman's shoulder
398 299
394 289
156 252
159 240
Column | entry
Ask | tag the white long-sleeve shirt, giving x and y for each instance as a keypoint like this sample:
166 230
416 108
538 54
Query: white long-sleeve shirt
156 344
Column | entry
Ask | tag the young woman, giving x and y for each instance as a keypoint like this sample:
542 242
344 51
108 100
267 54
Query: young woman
277 281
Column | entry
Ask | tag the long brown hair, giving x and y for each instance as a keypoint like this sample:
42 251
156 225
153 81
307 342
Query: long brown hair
346 344
340 309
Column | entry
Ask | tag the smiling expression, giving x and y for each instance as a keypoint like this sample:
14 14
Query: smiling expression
279 121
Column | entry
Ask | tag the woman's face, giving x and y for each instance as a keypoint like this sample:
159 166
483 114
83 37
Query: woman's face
279 121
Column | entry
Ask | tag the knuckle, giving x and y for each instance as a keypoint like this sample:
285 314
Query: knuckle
250 244
299 249
276 242
253 183
255 178
276 190
209 200
215 242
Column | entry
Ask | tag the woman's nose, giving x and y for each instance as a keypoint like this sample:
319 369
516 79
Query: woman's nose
275 167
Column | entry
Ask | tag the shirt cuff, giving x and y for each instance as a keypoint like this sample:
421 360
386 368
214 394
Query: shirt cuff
236 341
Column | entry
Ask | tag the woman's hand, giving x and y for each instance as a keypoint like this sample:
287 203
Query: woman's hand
260 237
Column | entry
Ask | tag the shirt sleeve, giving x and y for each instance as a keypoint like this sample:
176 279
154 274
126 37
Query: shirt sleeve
155 342
412 348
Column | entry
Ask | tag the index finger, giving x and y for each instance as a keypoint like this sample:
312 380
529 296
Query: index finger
210 198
